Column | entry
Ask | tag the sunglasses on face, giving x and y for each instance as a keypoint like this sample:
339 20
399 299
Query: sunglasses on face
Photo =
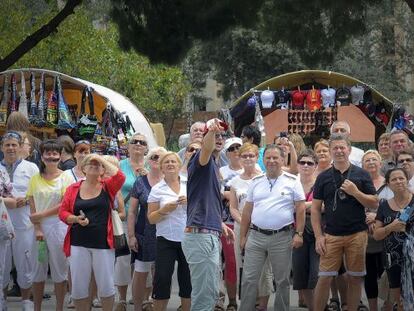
138 141
233 148
154 157
408 160
192 149
248 156
308 163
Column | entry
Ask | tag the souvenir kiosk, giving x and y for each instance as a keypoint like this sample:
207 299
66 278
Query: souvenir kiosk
57 104
307 102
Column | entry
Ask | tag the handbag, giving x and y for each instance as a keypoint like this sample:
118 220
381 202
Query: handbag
51 111
120 240
65 121
13 96
23 99
33 106
4 101
87 122
41 106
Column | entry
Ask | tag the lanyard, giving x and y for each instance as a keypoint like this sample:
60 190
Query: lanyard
338 192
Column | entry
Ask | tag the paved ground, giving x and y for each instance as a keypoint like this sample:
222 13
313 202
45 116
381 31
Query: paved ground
14 303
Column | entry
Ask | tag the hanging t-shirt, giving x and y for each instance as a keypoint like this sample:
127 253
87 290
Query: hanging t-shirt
328 97
298 99
357 93
313 100
282 99
343 96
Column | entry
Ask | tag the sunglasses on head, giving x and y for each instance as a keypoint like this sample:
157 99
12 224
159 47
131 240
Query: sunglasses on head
308 163
14 135
192 149
154 157
138 141
82 142
233 148
408 160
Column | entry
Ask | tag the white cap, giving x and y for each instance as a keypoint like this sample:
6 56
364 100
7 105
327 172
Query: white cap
267 97
231 141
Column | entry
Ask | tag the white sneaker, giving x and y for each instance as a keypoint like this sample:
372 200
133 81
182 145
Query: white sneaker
70 304
27 305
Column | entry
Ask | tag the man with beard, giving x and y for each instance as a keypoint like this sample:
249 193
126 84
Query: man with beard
346 190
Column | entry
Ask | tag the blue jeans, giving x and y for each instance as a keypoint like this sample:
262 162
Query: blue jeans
202 251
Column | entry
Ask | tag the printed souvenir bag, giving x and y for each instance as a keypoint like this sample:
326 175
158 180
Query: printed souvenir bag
65 120
87 122
4 101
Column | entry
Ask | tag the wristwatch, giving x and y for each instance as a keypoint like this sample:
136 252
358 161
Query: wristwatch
299 233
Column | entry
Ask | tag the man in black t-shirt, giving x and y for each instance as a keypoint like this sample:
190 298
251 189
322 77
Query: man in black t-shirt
346 190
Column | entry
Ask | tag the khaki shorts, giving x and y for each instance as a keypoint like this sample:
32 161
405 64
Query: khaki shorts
351 246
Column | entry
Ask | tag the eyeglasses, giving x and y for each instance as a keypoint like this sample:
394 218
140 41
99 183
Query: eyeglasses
220 136
82 142
192 149
308 163
233 148
248 156
138 141
154 157
408 160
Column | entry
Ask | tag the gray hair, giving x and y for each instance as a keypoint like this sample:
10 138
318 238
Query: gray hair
339 137
336 123
272 147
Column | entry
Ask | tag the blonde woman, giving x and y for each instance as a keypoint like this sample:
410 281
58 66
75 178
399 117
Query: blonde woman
321 150
86 208
167 208
142 239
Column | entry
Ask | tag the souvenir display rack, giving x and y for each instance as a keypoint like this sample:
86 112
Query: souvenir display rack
50 115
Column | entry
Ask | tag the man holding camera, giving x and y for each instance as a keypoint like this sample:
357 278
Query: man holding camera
346 190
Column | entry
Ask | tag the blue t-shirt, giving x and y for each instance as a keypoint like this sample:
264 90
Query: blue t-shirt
130 177
204 205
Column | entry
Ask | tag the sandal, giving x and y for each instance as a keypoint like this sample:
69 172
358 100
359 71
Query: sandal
147 305
333 305
362 307
218 308
231 307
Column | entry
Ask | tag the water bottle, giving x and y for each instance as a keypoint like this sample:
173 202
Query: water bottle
41 251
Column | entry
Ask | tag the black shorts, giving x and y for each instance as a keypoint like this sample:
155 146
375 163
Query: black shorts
167 253
394 276
305 264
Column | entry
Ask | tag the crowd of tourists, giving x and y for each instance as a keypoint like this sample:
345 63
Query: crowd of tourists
238 221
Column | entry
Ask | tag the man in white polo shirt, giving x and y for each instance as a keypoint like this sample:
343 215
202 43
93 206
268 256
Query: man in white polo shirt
272 200
21 248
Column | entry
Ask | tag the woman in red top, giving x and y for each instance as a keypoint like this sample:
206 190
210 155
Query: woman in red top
86 208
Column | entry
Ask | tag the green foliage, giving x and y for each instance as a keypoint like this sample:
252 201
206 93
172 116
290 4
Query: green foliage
165 30
79 49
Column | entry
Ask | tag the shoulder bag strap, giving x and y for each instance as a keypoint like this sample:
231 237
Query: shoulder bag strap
82 107
91 103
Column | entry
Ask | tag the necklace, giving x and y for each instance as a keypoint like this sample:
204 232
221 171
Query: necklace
271 183
404 203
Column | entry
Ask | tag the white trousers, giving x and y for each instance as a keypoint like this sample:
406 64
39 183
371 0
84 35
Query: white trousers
54 234
123 266
82 261
21 251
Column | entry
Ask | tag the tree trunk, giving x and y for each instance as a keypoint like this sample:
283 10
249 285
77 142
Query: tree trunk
32 40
